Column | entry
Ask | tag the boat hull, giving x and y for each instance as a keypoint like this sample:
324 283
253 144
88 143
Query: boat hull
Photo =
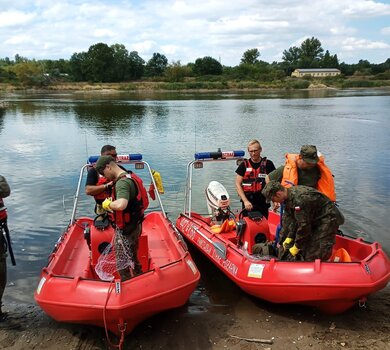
70 291
332 287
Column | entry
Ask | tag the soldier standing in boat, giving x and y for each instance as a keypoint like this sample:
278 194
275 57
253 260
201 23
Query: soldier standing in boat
307 168
250 179
125 205
5 191
310 221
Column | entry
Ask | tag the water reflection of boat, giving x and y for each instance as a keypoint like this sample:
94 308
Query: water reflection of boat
71 291
331 286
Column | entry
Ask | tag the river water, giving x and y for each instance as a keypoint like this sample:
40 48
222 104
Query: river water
46 138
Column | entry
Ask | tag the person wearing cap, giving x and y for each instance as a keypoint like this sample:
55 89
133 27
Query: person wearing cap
310 221
250 179
306 168
127 215
98 186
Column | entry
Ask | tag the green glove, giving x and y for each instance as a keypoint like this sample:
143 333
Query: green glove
286 242
294 250
106 204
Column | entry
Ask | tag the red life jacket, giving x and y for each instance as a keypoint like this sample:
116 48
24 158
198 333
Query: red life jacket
254 179
3 210
103 195
136 208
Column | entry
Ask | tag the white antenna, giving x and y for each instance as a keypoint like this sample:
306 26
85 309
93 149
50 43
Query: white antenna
195 139
86 144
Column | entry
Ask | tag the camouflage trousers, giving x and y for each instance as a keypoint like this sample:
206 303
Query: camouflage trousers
130 241
318 246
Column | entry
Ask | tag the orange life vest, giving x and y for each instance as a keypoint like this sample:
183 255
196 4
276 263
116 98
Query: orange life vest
325 184
135 209
254 179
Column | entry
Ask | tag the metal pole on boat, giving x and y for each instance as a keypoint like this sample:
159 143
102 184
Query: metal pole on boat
186 189
190 189
72 219
155 188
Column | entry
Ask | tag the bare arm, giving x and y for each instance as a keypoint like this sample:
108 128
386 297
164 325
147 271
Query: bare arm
93 190
119 204
240 191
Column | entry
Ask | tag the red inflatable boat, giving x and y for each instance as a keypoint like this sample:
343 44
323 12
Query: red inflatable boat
356 269
71 291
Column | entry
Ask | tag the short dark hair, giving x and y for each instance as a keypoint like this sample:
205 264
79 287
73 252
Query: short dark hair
107 148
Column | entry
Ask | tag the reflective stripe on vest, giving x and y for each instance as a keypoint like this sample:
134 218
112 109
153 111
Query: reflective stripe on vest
254 179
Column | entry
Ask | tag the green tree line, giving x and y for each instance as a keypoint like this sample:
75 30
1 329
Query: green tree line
103 63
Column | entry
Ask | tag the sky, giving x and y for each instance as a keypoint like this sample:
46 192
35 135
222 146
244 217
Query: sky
186 30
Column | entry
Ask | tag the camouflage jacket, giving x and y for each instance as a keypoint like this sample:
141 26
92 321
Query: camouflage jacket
308 211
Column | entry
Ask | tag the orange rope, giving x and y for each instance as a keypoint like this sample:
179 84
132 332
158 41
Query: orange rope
122 329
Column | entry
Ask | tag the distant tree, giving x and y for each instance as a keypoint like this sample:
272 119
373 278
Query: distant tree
329 61
347 69
292 56
381 67
29 73
310 53
250 56
20 59
156 65
5 61
56 68
100 60
78 65
291 59
207 66
136 65
175 72
121 62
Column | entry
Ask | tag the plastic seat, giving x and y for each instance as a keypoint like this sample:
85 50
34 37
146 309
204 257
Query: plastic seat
340 255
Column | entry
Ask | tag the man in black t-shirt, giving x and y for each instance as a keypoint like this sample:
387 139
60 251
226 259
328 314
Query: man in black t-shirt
97 185
250 179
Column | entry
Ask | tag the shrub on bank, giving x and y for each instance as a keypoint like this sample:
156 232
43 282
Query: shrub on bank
364 83
297 84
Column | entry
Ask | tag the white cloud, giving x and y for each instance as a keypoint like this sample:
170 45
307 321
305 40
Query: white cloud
351 44
103 33
188 30
385 31
18 39
365 8
342 30
15 18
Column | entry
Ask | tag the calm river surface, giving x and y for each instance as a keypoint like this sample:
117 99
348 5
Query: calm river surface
46 138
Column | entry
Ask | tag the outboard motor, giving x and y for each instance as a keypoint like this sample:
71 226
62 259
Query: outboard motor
218 201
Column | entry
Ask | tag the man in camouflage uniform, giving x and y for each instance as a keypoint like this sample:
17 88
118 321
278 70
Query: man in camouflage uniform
310 221
4 192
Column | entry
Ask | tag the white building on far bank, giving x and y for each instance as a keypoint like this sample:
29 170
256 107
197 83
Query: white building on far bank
315 72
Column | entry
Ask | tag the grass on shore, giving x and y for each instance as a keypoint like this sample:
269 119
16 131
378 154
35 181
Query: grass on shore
201 85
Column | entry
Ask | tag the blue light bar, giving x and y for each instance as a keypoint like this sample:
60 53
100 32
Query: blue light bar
121 158
219 155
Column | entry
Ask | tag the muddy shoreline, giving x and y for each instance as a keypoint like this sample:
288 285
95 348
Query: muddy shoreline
241 324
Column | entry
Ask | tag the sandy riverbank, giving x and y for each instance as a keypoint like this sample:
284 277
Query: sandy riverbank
215 326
